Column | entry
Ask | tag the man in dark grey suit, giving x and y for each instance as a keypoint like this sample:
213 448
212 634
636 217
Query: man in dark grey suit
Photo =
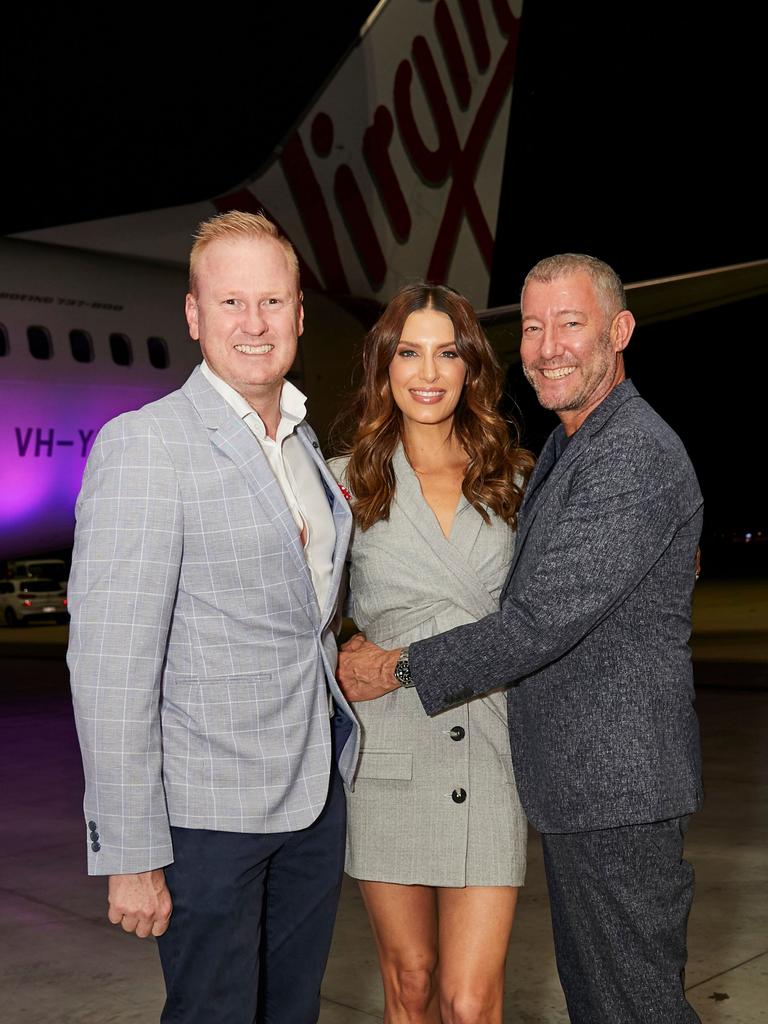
591 640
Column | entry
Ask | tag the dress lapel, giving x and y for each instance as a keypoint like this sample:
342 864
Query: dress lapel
410 502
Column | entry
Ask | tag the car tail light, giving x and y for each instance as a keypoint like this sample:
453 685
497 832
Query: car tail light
64 602
27 603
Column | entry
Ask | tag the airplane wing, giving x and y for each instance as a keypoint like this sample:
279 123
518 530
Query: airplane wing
662 298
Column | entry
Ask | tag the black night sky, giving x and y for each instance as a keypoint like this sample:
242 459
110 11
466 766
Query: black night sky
636 135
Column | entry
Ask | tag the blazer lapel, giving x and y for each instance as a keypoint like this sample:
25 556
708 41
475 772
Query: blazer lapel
541 470
548 470
342 515
537 486
232 436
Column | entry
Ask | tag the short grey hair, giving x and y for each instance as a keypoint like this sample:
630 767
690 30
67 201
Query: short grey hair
606 281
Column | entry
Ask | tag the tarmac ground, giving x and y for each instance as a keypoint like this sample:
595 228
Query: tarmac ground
61 962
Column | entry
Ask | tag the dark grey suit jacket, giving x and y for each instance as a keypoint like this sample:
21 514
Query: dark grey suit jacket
592 633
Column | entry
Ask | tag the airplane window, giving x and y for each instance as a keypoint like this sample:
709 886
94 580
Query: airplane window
81 345
40 345
4 347
120 346
158 353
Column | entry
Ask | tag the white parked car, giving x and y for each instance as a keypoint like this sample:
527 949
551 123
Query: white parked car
40 568
22 600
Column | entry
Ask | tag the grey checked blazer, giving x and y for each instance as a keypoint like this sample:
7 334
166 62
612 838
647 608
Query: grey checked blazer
591 637
200 660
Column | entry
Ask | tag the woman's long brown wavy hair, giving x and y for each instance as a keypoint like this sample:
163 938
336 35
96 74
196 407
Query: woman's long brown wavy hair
497 467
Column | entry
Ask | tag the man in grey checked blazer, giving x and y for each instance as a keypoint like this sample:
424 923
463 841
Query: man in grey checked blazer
591 641
209 550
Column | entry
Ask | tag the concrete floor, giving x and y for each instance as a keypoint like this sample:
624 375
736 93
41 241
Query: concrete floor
60 961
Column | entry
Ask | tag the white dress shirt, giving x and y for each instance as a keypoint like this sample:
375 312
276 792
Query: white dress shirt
296 473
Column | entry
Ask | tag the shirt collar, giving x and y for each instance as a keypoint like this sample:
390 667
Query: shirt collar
293 404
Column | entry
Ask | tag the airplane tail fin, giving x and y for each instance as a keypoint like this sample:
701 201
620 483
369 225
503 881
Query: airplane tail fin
393 172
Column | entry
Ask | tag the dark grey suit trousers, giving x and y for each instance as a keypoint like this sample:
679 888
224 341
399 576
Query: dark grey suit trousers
620 899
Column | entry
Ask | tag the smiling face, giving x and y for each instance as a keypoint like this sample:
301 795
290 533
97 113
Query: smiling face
571 348
426 374
246 313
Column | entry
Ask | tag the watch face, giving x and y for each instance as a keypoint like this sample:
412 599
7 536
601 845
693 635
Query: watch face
403 671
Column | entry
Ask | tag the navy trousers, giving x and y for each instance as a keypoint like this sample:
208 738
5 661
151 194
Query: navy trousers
252 921
620 900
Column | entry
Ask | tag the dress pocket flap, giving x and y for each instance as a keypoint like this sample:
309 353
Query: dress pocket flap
385 764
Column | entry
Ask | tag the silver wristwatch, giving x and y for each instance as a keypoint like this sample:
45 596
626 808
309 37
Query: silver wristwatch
402 669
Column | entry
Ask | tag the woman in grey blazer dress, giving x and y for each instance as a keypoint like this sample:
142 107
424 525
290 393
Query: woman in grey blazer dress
436 833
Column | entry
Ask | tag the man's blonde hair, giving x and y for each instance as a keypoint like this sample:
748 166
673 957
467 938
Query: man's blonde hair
233 225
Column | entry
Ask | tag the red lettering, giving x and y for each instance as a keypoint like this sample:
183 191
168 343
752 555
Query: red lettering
361 230
454 55
432 164
508 23
321 134
463 197
473 19
435 165
376 143
310 203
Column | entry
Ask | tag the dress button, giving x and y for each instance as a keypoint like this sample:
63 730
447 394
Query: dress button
457 733
95 847
459 796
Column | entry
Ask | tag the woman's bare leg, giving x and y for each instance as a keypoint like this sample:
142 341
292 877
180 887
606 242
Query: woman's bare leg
404 923
474 928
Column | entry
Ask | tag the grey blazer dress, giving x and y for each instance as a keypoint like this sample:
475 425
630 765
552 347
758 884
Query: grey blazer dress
434 799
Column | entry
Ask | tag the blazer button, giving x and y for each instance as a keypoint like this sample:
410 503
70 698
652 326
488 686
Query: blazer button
94 836
95 847
92 825
457 733
459 796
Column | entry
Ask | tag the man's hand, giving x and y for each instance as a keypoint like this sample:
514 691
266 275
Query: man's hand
366 671
140 903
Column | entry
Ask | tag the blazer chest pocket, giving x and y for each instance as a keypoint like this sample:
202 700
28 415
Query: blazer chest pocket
385 764
224 706
244 678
